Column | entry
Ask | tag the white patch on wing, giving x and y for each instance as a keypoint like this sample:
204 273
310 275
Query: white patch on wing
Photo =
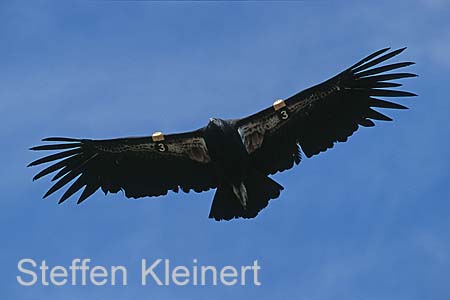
252 133
193 148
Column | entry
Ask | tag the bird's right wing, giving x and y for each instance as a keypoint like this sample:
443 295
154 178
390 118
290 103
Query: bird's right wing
140 166
322 115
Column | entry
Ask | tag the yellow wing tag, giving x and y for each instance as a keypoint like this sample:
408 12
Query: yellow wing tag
279 104
157 136
281 109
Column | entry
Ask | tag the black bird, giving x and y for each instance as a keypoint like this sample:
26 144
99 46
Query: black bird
234 156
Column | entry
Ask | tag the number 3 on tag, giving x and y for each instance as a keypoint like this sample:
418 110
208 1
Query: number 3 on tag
283 114
161 147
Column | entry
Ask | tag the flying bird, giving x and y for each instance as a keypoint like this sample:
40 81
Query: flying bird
234 156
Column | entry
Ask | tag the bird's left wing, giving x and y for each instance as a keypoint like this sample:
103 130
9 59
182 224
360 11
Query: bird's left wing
140 166
316 118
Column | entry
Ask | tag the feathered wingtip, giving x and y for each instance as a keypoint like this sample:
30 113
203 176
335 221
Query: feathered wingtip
371 78
70 143
70 163
361 68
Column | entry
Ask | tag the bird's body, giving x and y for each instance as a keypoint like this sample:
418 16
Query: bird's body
226 150
237 180
234 156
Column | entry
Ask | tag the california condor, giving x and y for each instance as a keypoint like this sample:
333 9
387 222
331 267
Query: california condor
234 156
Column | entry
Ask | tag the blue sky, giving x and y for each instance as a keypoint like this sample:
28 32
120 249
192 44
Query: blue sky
366 220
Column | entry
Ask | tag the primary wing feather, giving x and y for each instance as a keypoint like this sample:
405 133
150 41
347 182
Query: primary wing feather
320 116
138 166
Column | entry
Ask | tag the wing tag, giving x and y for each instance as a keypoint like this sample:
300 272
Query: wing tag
279 104
157 136
281 109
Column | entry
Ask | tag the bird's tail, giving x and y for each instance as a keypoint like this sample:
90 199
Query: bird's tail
259 188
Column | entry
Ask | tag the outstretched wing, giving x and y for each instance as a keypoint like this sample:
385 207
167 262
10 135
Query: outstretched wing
322 115
140 166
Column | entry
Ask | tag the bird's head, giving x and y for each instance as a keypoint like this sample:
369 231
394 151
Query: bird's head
214 123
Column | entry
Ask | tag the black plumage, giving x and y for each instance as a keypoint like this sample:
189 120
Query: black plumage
234 156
